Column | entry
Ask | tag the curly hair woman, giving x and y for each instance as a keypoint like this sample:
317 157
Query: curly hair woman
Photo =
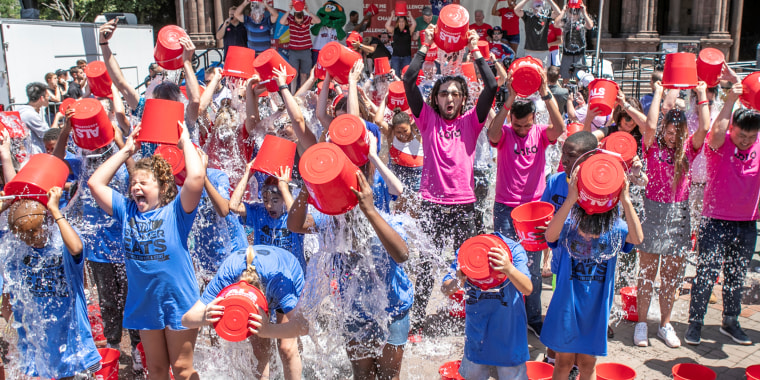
156 223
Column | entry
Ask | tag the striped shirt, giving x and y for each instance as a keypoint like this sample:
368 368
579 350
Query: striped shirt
259 35
300 38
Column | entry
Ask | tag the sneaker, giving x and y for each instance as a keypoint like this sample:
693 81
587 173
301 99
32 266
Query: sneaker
640 333
535 328
693 334
732 329
574 373
668 335
137 364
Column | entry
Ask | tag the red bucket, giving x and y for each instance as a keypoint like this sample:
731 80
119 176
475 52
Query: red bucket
468 70
485 49
450 370
329 176
109 361
65 104
753 372
168 51
176 158
350 133
614 371
457 305
298 5
319 72
451 31
353 37
382 66
96 324
240 300
239 62
40 174
432 53
266 62
574 3
397 96
275 153
691 371
574 127
710 66
628 298
401 8
473 260
622 143
526 218
680 71
159 121
98 79
338 61
600 182
602 95
91 125
539 370
751 91
526 75
143 359
11 121
372 9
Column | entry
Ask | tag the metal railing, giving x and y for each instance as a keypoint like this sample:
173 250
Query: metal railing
631 69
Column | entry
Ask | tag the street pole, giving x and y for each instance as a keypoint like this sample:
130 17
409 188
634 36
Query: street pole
599 39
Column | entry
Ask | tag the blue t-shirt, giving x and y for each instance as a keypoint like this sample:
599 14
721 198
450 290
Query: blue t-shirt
259 35
578 313
274 232
495 330
348 267
47 297
380 195
101 234
556 190
215 237
281 276
162 284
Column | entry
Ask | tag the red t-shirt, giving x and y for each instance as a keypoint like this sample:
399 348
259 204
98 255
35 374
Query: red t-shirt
299 33
509 21
482 30
554 33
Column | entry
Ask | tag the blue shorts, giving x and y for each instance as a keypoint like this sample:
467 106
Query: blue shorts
512 38
472 371
366 331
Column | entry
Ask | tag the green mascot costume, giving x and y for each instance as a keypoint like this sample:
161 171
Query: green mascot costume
333 16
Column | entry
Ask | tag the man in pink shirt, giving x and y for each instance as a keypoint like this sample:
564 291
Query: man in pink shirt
728 231
520 178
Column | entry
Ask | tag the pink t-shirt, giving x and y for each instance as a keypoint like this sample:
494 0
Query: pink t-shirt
520 176
733 182
449 148
661 172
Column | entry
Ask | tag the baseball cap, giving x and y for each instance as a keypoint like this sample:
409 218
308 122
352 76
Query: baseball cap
427 11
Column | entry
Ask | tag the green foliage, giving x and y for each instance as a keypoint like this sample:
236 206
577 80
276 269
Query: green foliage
9 9
154 12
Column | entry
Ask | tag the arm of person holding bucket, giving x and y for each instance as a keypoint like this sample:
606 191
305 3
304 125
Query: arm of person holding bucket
6 157
649 129
352 107
519 8
192 189
100 179
240 10
554 228
70 237
208 96
499 260
118 139
105 33
703 111
391 240
122 121
637 116
299 220
557 127
390 24
221 205
322 115
395 187
63 138
191 82
496 128
722 121
236 199
413 94
252 117
305 137
307 85
490 86
635 232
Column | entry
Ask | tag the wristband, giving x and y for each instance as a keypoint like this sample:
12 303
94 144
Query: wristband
103 43
703 102
283 87
59 218
547 97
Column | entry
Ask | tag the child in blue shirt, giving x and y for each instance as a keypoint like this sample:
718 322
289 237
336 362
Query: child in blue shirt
495 331
45 269
586 247
278 275
156 223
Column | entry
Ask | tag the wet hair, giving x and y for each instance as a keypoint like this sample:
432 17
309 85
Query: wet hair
619 112
460 81
167 91
747 120
522 108
270 186
594 224
552 74
400 117
51 134
676 118
162 171
250 275
585 141
36 90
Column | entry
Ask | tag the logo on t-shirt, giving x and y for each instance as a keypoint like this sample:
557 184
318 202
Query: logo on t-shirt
278 237
145 241
588 270
528 150
744 156
44 276
450 134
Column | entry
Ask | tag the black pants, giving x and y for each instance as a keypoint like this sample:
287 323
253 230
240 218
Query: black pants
440 222
111 280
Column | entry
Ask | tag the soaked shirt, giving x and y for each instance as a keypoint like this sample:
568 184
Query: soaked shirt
47 296
273 232
733 181
162 283
520 176
661 172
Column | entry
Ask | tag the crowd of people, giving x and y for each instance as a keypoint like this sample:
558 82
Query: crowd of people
452 162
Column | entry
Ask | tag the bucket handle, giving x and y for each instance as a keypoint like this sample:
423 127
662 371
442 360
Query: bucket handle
7 197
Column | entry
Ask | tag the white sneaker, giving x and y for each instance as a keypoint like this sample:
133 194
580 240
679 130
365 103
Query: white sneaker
137 364
640 335
668 335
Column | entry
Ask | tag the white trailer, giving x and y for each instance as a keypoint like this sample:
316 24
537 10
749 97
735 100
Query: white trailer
32 48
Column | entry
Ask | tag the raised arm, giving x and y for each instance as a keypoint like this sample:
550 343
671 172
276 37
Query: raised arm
192 189
554 228
635 232
485 100
305 137
413 94
191 82
273 13
559 20
6 157
395 187
519 8
208 95
352 107
252 116
703 111
100 179
236 199
720 125
649 129
389 25
70 238
63 138
391 240
495 8
589 21
495 128
324 95
239 11
105 33
299 220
